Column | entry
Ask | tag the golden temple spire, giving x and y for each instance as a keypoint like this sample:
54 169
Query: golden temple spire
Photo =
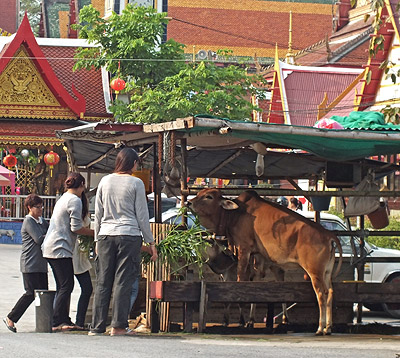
290 57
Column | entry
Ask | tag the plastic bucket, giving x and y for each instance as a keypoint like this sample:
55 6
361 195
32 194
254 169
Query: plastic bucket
379 218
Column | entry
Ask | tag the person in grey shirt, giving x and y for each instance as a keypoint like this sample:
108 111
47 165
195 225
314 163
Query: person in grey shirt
58 246
121 218
33 265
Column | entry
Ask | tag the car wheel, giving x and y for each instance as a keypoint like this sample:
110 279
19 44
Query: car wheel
392 309
373 306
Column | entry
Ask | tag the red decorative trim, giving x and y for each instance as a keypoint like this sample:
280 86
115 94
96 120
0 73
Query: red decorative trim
371 89
25 37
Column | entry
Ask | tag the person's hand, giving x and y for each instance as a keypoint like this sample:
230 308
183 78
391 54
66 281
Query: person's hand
154 254
147 249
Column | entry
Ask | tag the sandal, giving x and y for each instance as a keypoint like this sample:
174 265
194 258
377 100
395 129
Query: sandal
63 328
11 328
126 332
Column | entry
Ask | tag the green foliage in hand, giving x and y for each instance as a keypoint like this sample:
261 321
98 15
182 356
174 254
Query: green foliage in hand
86 243
182 247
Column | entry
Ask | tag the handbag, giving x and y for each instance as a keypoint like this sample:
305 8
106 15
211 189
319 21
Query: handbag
363 205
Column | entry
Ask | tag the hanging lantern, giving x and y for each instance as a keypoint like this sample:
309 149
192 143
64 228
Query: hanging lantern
51 159
25 153
10 161
117 84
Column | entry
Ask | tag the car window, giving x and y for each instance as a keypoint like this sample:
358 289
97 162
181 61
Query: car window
177 220
344 240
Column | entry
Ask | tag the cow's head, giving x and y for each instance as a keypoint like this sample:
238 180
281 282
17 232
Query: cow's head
208 202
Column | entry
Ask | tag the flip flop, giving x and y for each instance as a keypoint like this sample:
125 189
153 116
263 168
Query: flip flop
63 328
11 328
127 332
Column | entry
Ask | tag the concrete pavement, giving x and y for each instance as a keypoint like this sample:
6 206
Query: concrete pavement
78 344
11 288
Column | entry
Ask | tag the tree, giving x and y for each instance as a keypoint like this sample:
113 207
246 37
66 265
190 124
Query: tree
33 10
161 85
130 44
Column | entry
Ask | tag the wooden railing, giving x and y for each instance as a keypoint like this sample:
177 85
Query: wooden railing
12 206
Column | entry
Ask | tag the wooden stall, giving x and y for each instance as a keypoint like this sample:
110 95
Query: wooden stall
219 148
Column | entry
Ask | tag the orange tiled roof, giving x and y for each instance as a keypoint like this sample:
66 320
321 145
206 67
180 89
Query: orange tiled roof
247 26
8 18
88 83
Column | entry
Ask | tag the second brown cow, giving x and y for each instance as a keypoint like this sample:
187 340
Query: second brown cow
280 235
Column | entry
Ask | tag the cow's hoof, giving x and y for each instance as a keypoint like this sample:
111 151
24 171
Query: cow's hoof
327 331
249 325
319 333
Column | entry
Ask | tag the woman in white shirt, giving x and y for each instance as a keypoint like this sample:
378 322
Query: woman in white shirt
121 218
58 246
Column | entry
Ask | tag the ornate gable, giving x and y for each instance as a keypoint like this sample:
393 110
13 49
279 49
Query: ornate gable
24 94
21 83
29 88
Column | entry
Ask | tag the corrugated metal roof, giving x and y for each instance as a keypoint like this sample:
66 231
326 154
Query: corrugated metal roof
306 90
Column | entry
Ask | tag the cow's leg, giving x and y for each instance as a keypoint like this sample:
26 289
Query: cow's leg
252 316
243 273
328 328
280 277
226 314
242 321
321 291
328 283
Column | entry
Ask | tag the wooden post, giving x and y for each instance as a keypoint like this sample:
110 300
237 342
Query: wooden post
360 268
202 307
188 308
184 185
156 186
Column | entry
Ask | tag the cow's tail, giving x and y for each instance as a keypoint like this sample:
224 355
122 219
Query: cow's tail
339 246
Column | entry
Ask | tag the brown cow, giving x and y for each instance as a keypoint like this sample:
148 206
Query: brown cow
279 234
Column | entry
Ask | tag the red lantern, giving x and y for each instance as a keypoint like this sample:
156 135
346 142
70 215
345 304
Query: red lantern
51 159
117 84
10 161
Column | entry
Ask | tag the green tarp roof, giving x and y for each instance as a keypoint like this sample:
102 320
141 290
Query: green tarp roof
330 144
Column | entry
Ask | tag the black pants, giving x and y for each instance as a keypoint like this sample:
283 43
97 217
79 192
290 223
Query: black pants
86 291
32 281
64 276
116 264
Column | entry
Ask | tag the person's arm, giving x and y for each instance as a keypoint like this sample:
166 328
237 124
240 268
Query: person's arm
33 230
142 212
98 211
151 250
85 231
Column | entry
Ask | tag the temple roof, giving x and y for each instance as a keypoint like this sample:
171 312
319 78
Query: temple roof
248 26
301 89
49 63
8 18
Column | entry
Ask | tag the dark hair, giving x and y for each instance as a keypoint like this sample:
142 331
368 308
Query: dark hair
125 161
294 201
32 200
297 203
74 181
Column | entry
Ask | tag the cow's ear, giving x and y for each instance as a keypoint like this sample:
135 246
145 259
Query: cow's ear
229 204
